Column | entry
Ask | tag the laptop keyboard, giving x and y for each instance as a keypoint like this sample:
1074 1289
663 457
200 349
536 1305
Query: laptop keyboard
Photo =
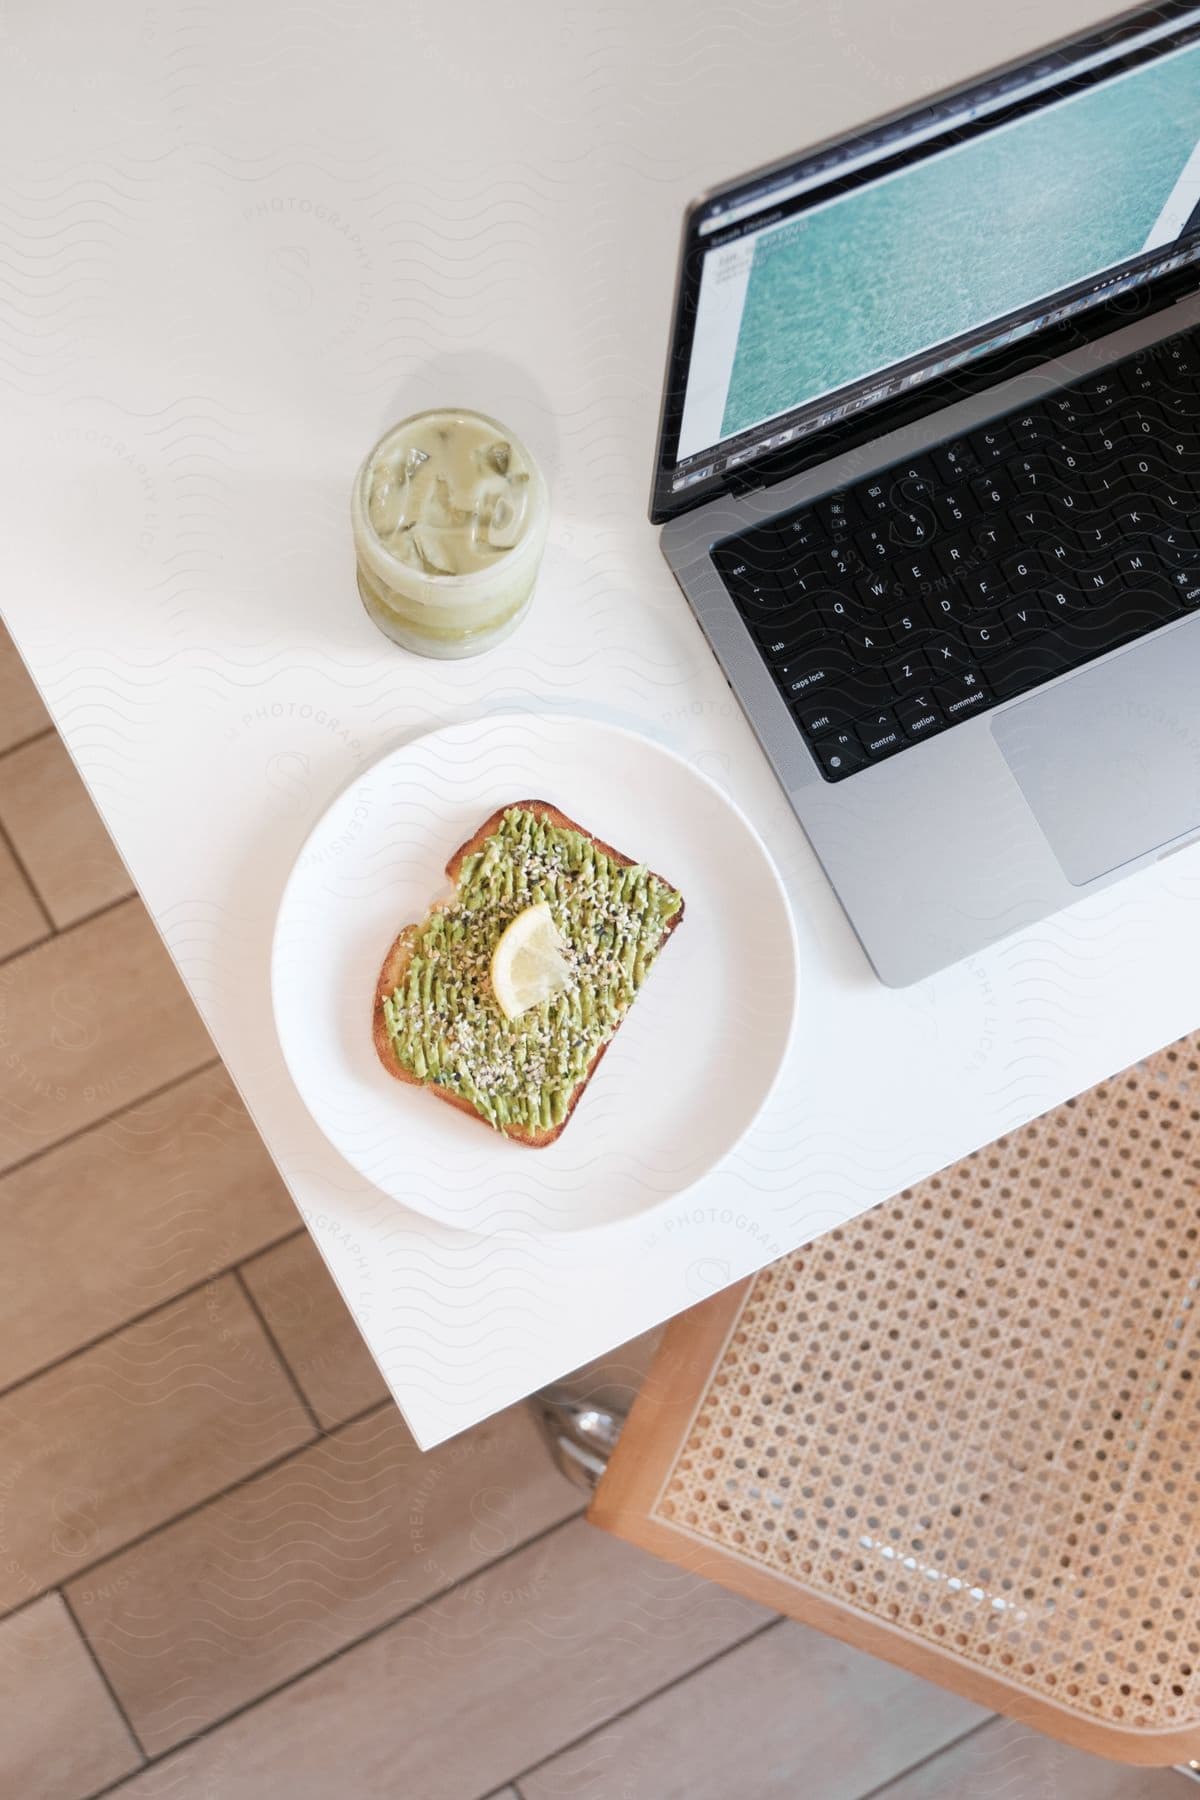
892 610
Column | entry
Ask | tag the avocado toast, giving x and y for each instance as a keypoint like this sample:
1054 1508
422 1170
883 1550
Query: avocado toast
437 1021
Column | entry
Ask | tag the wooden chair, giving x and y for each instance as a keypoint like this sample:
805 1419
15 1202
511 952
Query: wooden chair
963 1432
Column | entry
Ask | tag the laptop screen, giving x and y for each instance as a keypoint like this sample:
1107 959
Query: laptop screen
844 280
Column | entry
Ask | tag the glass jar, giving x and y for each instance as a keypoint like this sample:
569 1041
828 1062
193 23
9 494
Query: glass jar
449 513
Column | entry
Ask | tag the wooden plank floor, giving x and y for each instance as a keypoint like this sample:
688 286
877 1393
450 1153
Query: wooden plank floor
225 1570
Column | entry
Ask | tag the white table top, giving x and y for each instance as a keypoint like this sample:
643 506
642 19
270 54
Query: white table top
240 241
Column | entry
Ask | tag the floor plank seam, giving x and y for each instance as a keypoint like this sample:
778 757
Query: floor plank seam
634 1706
139 1318
189 1512
922 1762
324 1662
286 1366
98 912
31 884
37 944
69 1137
33 738
103 1674
198 1506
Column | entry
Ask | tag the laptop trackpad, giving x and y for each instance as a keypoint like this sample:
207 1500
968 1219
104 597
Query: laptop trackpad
1110 760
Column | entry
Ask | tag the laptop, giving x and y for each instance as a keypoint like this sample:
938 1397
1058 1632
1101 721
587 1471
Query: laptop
929 476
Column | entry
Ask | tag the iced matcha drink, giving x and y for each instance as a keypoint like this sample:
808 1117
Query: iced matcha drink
450 514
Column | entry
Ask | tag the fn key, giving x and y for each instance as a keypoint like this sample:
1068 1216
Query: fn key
840 754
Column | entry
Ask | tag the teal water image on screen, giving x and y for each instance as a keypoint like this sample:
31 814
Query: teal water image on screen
959 240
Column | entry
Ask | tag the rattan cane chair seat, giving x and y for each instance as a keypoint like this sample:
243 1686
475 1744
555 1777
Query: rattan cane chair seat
963 1431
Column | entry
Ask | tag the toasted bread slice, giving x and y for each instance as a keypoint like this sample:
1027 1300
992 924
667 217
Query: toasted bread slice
399 957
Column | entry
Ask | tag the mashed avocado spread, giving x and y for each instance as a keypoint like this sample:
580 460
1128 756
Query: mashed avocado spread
443 1021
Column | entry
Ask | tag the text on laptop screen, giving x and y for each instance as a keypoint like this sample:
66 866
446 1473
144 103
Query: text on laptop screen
902 274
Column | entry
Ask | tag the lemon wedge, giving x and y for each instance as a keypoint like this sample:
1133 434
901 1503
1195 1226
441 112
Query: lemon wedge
529 963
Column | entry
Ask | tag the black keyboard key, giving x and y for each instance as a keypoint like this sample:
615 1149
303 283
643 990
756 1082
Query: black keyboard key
909 527
1065 413
1033 521
948 605
908 673
1069 463
1186 586
828 713
962 694
871 644
839 562
954 554
840 754
1061 600
952 509
1029 429
876 593
801 531
986 638
908 625
1179 357
746 579
842 612
1024 618
875 551
916 571
983 587
995 537
837 514
875 497
919 714
993 492
1150 521
801 577
1099 394
1097 583
917 475
1076 511
947 655
992 444
880 734
1023 572
954 462
1033 475
1138 377
801 677
1175 544
1138 563
789 632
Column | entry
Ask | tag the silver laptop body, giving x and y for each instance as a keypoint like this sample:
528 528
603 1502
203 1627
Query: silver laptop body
801 350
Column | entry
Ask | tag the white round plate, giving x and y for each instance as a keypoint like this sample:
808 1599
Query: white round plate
691 1065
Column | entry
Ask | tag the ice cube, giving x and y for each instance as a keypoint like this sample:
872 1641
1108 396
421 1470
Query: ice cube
441 552
440 510
413 461
385 503
498 456
507 519
405 550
